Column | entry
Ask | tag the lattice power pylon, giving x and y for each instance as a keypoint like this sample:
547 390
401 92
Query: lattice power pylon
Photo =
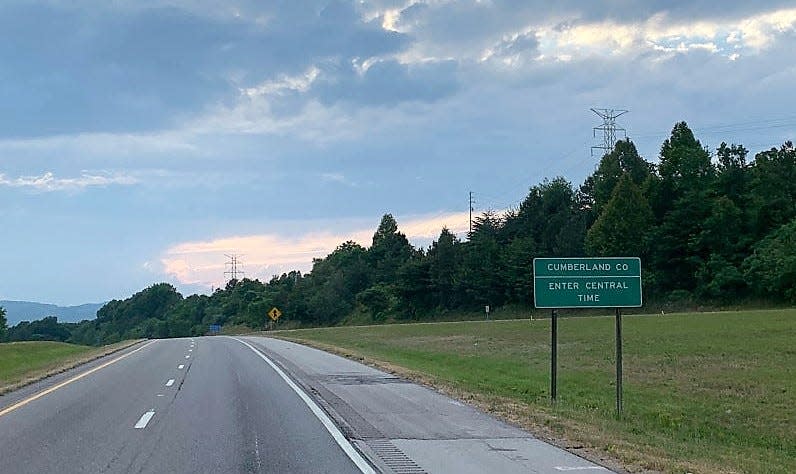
608 129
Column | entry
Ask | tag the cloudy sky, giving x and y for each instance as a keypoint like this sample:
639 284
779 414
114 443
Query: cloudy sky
141 140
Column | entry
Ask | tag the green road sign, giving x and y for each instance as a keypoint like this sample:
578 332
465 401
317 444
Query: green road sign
603 282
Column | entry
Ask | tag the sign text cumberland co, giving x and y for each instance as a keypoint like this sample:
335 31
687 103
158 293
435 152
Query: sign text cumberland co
604 282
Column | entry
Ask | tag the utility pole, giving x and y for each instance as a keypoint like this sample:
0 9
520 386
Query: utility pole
608 129
471 214
233 271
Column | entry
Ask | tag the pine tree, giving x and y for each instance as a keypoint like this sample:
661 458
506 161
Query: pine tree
621 228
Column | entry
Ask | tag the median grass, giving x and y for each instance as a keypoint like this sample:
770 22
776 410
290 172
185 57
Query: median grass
703 392
26 362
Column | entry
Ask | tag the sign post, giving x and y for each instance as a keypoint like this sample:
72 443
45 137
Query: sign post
618 362
553 354
602 282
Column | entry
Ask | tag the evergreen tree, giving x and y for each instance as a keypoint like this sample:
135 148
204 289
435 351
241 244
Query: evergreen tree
3 324
681 199
480 281
443 260
623 160
389 251
623 225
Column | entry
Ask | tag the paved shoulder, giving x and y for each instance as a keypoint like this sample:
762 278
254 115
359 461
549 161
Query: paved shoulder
406 428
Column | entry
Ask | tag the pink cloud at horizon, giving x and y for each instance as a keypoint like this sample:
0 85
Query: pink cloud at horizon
202 263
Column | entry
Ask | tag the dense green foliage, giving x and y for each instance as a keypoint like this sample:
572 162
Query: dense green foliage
711 228
3 323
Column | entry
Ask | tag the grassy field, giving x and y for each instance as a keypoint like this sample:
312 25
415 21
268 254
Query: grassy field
707 392
21 362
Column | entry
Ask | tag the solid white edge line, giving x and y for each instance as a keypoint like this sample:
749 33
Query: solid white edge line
170 383
144 420
333 430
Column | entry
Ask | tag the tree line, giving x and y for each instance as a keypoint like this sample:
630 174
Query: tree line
713 227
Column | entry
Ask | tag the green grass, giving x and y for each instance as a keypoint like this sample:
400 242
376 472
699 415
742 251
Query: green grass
25 361
704 392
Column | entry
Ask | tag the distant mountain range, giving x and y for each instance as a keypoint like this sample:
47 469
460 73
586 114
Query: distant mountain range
17 311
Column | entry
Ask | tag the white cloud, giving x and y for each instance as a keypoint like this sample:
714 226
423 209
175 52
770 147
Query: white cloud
299 83
660 33
106 144
265 255
339 178
48 182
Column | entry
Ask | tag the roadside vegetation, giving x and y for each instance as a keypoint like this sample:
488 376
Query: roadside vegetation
708 392
24 362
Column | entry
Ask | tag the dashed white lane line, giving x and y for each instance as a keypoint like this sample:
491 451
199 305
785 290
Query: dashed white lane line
187 357
144 420
190 350
327 422
181 366
170 383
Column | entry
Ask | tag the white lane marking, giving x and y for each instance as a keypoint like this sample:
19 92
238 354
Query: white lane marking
144 420
170 383
190 350
67 382
181 366
579 468
333 430
187 357
161 395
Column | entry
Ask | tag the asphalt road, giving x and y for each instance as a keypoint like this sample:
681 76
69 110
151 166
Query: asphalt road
254 404
169 406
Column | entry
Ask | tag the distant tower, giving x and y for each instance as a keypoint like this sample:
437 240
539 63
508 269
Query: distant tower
608 129
232 264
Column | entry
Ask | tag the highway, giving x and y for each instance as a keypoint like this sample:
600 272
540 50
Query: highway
224 404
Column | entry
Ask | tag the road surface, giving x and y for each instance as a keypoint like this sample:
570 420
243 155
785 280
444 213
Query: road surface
223 404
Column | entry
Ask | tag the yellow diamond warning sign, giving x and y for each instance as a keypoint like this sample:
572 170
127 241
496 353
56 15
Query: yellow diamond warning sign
274 314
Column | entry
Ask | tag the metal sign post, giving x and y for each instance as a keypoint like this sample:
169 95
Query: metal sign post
553 354
602 282
618 363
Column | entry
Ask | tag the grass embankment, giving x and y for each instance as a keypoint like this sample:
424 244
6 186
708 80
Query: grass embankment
22 363
711 392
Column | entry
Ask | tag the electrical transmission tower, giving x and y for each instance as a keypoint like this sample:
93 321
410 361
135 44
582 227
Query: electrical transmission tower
608 129
232 264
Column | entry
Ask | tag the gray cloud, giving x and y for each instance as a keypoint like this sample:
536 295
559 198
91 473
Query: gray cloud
389 82
74 70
